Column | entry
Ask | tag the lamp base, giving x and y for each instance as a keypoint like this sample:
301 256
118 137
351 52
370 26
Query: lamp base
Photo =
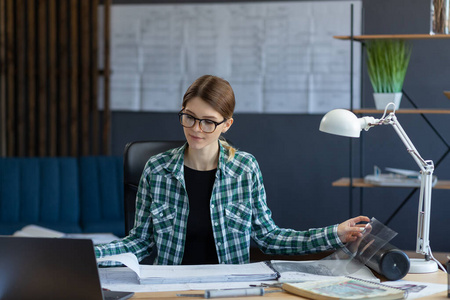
421 265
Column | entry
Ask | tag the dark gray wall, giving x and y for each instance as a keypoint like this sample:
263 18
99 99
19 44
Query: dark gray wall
299 163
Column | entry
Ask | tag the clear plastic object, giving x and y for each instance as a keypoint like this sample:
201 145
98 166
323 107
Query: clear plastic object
356 254
348 260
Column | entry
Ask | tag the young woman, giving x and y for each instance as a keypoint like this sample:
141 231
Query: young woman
201 203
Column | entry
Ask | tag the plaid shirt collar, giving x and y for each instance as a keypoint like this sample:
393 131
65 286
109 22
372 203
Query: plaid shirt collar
175 164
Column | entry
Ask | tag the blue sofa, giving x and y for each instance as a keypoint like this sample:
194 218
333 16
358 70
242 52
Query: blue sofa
67 194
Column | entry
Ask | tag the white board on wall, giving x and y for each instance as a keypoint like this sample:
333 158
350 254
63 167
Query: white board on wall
279 57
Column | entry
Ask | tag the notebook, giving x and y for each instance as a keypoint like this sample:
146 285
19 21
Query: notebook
50 268
340 288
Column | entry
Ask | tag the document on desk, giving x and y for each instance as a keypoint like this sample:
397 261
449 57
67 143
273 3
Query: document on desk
39 231
156 274
123 279
416 289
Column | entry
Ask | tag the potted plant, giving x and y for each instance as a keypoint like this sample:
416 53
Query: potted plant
387 62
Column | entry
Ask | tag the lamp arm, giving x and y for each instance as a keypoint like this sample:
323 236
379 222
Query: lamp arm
426 183
392 120
423 218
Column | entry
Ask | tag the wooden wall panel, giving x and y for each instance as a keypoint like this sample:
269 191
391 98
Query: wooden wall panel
10 79
107 70
74 90
93 73
85 80
52 78
31 79
20 75
42 120
49 78
3 140
63 77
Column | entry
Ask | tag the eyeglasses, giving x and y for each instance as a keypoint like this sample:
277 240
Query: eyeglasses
207 126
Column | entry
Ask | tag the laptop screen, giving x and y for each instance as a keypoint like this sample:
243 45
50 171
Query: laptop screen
48 268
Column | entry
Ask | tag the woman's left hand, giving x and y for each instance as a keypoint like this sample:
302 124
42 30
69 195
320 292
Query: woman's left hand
349 231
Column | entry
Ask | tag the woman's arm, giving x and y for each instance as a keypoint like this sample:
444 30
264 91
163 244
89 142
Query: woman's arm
272 239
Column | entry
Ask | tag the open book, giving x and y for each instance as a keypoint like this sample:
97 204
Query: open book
167 274
344 288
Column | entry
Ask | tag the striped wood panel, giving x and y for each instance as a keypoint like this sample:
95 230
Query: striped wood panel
49 78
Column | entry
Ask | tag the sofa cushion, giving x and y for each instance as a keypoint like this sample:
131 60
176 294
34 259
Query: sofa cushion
101 194
41 191
66 194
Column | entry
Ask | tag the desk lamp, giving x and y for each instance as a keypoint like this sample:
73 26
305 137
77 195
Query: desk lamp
345 123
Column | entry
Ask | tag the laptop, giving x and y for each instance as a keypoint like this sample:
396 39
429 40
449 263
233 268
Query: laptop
50 268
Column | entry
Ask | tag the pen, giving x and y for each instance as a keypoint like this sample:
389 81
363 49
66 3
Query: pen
228 293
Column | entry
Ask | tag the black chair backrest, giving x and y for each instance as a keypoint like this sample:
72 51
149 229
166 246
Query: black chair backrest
135 157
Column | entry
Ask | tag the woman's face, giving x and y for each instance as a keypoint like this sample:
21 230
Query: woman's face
196 138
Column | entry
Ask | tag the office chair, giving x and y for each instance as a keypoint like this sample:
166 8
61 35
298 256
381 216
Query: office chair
135 157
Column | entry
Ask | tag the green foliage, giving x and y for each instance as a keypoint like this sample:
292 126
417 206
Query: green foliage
387 62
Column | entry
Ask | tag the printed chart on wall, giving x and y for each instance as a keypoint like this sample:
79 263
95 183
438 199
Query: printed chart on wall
279 57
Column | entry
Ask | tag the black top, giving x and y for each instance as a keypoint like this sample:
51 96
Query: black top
199 247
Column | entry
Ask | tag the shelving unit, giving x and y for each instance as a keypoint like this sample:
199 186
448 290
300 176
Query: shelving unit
404 111
353 182
359 182
361 38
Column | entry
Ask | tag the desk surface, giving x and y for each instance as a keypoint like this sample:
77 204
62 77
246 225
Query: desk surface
437 277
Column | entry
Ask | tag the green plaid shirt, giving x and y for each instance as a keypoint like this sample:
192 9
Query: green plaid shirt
238 211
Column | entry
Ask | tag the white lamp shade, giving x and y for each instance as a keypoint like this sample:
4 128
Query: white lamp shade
341 122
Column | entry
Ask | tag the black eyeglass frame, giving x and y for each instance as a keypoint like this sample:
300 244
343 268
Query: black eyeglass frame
181 114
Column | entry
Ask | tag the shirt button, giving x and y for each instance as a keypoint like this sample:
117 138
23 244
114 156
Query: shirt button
161 215
216 224
219 244
212 205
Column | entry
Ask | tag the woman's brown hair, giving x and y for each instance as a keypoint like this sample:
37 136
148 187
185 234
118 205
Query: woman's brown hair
218 93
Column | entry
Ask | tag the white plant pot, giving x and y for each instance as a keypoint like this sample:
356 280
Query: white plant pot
382 99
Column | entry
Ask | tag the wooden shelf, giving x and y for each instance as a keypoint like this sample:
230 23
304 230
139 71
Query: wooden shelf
393 36
404 111
359 182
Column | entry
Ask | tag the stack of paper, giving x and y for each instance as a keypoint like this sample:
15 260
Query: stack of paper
396 178
163 274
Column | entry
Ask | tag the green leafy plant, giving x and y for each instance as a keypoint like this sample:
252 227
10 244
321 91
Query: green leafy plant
387 62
